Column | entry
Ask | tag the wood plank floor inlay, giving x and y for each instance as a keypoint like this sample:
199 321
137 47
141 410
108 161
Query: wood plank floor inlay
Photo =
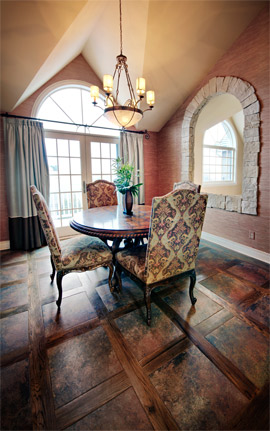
97 365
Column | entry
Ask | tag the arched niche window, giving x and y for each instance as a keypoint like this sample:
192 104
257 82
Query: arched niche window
219 154
245 203
70 103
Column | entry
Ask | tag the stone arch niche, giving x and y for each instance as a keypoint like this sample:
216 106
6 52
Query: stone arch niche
245 93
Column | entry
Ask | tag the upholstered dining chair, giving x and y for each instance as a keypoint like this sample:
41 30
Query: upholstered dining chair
187 185
174 237
101 193
79 254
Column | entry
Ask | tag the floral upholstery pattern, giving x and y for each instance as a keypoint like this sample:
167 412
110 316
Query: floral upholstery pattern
76 253
133 259
101 193
84 252
47 226
174 237
187 185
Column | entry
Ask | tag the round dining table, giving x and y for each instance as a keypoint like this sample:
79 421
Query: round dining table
110 223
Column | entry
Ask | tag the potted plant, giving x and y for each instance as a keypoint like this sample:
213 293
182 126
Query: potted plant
124 183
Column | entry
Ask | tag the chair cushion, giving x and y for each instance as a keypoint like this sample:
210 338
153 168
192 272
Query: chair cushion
84 252
133 259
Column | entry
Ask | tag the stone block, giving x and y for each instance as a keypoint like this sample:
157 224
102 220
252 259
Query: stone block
233 203
225 84
199 97
216 201
206 91
251 157
232 84
251 139
250 171
249 207
249 100
186 123
252 120
254 108
243 90
251 133
193 105
213 85
250 195
220 80
251 147
249 184
185 132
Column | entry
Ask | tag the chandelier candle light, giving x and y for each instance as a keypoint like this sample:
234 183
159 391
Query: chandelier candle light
130 113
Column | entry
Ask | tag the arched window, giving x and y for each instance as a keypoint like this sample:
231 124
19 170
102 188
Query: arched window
76 155
71 103
219 154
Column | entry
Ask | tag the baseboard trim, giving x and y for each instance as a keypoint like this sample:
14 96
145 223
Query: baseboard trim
4 245
240 248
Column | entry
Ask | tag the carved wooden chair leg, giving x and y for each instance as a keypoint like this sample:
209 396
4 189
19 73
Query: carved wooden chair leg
110 277
117 275
59 277
53 270
191 287
147 299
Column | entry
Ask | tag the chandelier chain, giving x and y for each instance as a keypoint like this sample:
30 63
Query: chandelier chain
121 38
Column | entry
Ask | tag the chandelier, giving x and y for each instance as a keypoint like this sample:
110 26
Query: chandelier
130 113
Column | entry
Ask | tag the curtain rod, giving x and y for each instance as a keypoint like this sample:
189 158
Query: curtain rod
123 130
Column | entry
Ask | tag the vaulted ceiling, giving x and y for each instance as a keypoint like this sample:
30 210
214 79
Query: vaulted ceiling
172 43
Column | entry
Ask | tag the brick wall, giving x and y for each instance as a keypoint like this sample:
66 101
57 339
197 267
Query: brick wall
248 59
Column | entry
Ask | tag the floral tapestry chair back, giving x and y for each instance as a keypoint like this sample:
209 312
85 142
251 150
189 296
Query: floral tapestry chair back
101 193
187 185
47 226
174 234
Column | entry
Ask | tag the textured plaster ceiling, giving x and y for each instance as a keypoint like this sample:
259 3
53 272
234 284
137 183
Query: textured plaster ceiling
173 44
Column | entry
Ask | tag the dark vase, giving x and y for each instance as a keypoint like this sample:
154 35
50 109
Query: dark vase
128 202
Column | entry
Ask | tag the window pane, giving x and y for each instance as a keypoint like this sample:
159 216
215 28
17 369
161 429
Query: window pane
63 165
65 201
53 166
106 164
106 177
75 149
77 200
95 166
50 146
95 149
54 201
105 150
54 186
75 166
69 99
96 177
56 218
64 183
62 147
76 183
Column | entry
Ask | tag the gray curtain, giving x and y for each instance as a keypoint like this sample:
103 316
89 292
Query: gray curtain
26 164
131 150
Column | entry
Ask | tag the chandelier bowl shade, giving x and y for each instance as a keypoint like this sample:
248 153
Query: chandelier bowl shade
128 114
123 115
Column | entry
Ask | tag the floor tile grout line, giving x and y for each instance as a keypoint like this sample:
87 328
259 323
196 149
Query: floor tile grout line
158 414
226 367
40 381
234 310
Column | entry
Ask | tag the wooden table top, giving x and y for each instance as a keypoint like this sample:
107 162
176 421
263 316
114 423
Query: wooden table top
111 222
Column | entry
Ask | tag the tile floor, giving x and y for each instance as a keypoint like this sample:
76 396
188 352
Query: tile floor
98 366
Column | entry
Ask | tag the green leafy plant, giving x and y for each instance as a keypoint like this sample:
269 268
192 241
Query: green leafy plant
123 181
